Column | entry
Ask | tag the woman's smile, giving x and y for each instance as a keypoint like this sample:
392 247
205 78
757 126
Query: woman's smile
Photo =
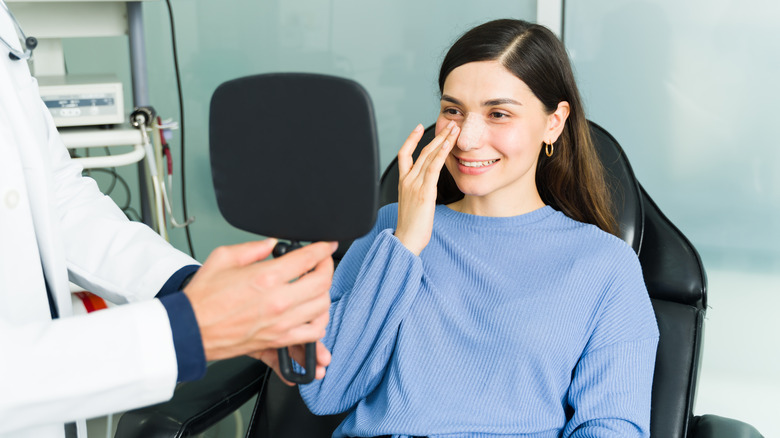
475 167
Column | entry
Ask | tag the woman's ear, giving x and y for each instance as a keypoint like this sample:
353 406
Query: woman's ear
556 121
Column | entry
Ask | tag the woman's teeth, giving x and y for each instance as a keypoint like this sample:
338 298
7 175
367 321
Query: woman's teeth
476 163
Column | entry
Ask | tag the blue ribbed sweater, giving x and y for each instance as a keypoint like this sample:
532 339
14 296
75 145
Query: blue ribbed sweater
527 326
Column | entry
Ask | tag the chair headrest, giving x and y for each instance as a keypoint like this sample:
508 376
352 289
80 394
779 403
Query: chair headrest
671 266
626 196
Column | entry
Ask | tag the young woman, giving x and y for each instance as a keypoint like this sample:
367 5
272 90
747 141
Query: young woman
510 310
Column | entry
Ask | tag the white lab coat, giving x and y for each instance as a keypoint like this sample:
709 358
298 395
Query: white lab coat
53 220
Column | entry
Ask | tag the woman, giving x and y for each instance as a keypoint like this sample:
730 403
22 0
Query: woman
510 311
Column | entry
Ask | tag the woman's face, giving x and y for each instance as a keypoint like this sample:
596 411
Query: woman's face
503 127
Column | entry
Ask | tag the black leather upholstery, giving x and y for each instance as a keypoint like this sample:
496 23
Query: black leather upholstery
676 368
626 193
288 416
676 282
713 426
672 267
196 406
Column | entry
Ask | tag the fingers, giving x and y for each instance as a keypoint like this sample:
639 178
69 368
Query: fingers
405 154
242 254
271 358
311 330
323 360
297 312
443 140
288 296
298 353
323 355
294 264
251 252
435 160
240 309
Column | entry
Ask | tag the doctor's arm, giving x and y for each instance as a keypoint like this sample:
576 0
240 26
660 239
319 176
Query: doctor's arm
122 358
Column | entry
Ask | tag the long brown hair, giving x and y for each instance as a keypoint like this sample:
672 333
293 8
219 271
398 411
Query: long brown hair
572 180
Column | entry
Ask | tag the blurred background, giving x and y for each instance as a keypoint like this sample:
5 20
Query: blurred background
689 89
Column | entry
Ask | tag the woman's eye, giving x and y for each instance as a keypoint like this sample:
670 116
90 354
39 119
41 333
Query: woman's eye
497 115
451 111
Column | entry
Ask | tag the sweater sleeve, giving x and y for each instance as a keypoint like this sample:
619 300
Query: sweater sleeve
612 383
373 287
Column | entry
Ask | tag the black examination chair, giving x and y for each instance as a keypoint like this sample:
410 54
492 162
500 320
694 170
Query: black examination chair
674 276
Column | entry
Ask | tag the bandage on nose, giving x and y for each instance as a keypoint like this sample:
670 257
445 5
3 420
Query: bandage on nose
471 131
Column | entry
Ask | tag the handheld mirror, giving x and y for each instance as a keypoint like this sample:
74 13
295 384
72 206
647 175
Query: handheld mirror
294 156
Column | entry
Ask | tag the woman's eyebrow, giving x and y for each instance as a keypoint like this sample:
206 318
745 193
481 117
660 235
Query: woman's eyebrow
451 99
491 102
501 101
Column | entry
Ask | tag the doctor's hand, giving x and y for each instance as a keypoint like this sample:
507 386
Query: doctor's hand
298 353
245 305
417 183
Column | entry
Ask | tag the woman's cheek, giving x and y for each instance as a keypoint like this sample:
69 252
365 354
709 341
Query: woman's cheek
441 123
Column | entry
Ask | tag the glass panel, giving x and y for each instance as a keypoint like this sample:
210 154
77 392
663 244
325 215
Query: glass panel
393 49
689 89
685 88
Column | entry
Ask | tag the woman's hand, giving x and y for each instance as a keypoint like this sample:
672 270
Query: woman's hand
417 186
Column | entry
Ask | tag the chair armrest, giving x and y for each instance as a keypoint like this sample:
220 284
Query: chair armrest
713 426
198 405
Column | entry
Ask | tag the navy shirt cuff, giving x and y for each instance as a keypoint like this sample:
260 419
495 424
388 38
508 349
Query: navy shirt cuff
190 357
177 280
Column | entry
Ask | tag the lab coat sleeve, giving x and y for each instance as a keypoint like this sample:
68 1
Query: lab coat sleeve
373 287
105 253
85 366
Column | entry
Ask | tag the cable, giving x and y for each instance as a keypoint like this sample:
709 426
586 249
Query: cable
135 217
113 169
115 178
181 125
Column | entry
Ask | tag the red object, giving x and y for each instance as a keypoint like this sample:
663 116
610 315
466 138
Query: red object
165 149
91 301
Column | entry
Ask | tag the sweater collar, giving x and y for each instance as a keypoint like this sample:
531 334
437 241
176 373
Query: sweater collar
496 222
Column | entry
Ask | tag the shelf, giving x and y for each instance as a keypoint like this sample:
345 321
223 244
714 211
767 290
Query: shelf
97 138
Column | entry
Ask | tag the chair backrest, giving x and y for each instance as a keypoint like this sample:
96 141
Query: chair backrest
677 284
674 276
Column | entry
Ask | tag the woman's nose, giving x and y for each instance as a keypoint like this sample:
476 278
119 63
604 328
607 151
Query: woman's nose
471 131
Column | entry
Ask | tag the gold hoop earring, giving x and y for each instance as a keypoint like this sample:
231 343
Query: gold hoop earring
549 149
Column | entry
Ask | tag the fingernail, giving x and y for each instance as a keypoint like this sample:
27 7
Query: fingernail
418 128
455 130
451 124
334 246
